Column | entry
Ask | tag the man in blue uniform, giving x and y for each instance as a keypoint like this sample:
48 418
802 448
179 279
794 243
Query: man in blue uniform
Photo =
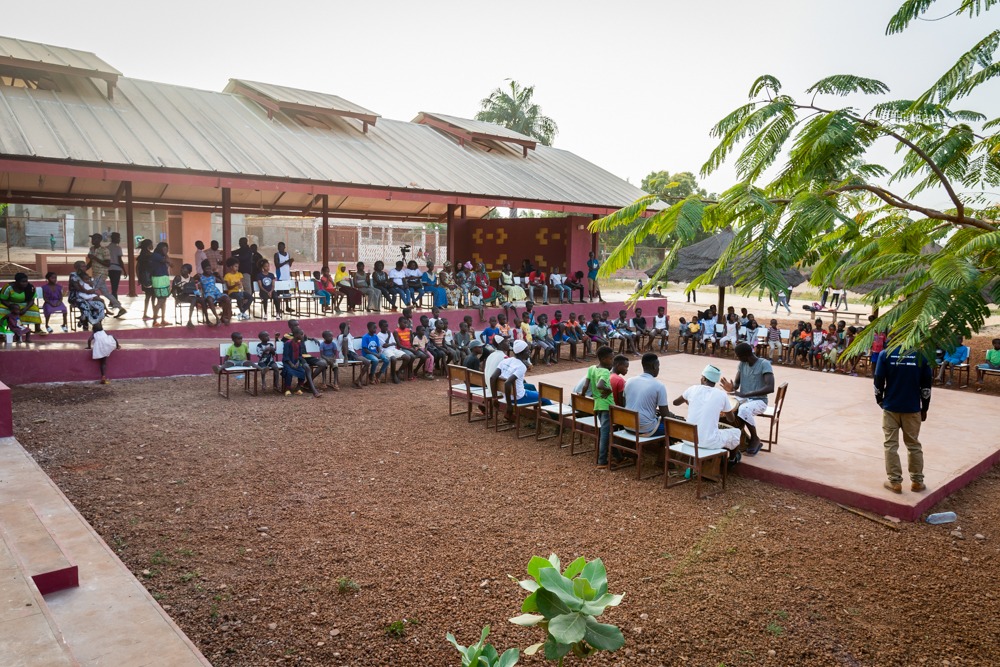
903 390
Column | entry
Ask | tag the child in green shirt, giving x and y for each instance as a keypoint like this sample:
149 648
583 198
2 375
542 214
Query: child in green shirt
992 364
599 382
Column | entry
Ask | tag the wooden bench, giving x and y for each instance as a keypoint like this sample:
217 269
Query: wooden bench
838 314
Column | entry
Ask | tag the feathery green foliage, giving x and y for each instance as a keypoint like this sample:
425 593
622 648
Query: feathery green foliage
513 108
807 196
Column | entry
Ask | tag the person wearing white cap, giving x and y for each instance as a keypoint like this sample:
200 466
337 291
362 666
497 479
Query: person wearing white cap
707 404
511 370
501 348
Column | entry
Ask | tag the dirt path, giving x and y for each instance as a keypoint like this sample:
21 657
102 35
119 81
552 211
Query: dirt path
241 516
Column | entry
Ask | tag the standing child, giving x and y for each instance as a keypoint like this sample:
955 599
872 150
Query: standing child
774 341
103 344
52 298
599 383
330 352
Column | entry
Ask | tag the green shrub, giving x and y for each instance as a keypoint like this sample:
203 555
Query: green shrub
566 605
482 654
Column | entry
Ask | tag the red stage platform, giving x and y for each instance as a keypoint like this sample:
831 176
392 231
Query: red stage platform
178 350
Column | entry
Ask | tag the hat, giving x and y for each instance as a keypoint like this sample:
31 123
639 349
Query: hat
475 344
520 346
467 265
447 263
497 338
711 373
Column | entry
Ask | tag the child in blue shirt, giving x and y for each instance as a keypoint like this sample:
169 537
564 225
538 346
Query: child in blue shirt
956 357
329 351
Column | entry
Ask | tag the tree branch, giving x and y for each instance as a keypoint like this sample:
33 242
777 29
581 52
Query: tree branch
959 206
897 201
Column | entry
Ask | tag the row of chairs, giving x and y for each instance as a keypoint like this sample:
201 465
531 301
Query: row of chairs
251 369
470 390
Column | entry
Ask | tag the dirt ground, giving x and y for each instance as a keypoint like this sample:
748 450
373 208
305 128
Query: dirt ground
246 518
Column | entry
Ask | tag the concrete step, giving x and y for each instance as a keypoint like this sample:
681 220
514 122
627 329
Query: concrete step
36 549
29 636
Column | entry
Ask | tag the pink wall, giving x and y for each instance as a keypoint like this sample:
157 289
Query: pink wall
6 414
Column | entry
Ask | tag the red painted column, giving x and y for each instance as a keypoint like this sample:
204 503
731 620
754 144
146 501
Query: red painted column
130 233
227 223
451 233
326 232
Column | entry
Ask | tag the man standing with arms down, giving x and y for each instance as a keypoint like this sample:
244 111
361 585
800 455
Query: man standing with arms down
903 390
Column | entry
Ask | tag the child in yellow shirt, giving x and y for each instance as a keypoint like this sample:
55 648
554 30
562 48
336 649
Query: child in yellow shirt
233 280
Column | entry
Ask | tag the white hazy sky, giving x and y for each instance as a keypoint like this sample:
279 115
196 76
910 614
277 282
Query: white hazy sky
635 86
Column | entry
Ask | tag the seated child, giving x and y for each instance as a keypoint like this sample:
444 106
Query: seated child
266 358
52 301
661 329
956 357
11 323
992 364
345 341
424 358
774 341
237 354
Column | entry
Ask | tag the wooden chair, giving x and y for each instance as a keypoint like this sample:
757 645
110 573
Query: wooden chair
458 388
246 370
478 394
585 427
554 413
773 414
498 406
625 438
686 455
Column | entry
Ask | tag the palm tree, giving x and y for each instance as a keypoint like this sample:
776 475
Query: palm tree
512 108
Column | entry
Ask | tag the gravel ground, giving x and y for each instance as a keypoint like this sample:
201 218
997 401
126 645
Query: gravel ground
241 518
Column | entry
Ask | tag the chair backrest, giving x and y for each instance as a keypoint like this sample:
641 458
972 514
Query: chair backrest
785 333
283 285
779 399
720 329
279 348
256 286
457 374
517 280
222 349
675 429
356 344
551 392
221 287
581 403
307 285
312 347
625 418
761 334
743 332
477 378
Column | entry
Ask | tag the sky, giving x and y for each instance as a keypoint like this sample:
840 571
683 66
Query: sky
635 86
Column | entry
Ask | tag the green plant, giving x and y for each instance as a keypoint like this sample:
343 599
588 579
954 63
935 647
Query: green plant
567 607
482 654
396 629
345 585
775 629
159 559
188 576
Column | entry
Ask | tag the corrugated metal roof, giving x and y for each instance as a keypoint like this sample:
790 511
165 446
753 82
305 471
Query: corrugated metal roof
283 95
477 126
164 126
34 53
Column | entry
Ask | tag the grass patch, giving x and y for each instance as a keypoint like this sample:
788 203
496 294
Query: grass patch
345 586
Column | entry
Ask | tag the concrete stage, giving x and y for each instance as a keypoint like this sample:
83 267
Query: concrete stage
179 350
830 442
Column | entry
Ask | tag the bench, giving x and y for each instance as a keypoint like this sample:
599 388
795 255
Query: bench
838 314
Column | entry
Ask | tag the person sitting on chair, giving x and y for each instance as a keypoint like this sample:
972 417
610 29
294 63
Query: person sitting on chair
708 404
754 381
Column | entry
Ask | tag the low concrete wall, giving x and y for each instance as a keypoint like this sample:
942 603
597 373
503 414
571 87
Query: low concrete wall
6 412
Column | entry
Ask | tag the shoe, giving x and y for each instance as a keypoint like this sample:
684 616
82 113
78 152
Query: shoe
121 314
895 487
64 328
105 380
288 393
216 368
298 392
917 486
48 329
753 449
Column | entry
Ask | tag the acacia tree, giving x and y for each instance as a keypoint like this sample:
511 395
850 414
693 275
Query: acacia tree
931 271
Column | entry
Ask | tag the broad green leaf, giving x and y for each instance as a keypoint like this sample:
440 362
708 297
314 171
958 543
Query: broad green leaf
450 637
568 628
595 573
530 603
527 620
597 607
554 650
489 654
549 605
603 636
537 563
509 658
554 582
583 589
532 650
528 584
554 559
574 568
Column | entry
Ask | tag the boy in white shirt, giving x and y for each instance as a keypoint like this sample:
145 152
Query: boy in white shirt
661 328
